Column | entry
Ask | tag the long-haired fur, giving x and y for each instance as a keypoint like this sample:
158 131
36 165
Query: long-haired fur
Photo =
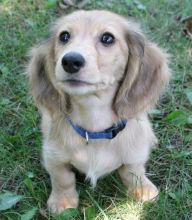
133 76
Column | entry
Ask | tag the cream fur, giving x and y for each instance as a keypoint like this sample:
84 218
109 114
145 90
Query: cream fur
126 81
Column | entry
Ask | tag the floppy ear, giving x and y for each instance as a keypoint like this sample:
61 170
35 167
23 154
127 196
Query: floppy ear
40 68
146 75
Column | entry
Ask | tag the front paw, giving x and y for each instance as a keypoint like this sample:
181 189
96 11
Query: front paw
57 204
145 193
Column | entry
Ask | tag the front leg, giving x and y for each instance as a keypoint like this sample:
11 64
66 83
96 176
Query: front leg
63 193
133 177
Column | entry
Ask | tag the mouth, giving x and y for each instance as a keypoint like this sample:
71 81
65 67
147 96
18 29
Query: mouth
75 82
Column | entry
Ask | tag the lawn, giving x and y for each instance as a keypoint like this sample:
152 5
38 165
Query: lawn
22 177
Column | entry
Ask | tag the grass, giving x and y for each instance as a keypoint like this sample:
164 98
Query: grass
23 23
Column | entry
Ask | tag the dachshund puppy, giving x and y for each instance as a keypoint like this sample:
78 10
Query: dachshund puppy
94 80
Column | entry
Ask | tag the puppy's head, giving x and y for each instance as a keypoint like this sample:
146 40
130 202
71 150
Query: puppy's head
91 51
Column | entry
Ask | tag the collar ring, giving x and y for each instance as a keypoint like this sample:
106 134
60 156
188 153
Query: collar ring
87 137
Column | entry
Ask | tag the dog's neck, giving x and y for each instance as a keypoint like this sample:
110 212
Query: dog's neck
94 111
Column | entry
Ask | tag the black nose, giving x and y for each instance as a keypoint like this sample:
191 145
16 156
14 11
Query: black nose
72 62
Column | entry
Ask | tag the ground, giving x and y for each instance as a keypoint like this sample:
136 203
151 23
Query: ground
24 23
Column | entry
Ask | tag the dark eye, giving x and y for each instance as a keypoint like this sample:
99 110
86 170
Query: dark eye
107 39
64 36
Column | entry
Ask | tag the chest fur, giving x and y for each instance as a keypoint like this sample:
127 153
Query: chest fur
96 159
101 157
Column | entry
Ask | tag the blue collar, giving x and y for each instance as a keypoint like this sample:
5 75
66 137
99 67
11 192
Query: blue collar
108 133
